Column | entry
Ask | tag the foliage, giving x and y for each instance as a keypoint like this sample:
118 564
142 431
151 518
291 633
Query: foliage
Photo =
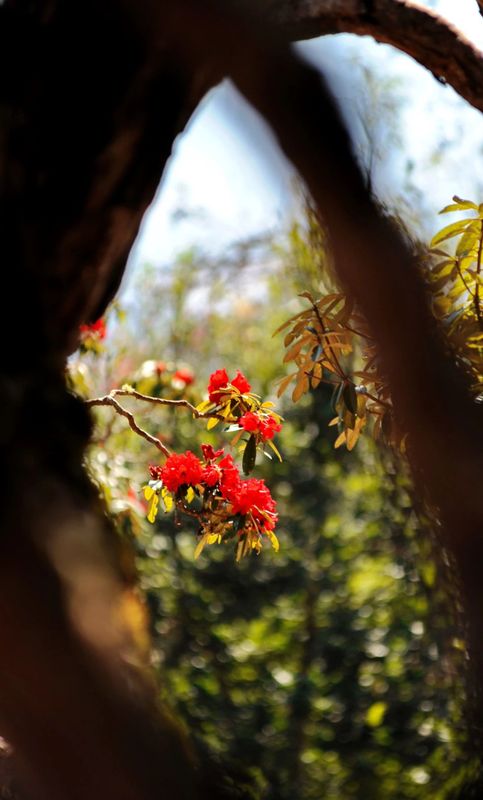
334 669
330 341
456 281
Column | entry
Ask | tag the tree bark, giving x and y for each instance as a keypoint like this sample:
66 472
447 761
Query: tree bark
91 99
417 31
96 93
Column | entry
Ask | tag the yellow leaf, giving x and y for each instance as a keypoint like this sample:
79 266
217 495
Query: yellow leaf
226 411
239 550
153 507
352 437
450 231
459 205
167 499
237 437
301 387
293 351
284 383
200 546
148 492
271 444
302 315
274 540
307 296
190 495
211 423
340 440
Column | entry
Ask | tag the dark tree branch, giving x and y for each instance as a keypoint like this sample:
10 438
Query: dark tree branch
420 32
96 94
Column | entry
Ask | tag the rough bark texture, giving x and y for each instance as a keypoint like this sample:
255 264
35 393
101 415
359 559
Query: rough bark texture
91 97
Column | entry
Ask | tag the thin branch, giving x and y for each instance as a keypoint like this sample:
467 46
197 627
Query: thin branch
329 346
161 401
109 400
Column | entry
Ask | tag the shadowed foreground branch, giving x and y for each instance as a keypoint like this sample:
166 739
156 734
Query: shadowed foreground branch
84 143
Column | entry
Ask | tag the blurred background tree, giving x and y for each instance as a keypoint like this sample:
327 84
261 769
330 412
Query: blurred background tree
335 667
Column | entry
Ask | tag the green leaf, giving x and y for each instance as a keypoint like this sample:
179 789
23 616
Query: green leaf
249 455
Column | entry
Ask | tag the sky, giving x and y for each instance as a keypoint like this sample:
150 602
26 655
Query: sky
227 179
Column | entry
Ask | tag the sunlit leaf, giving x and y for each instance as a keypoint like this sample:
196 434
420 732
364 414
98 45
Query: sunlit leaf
450 231
459 205
274 448
153 507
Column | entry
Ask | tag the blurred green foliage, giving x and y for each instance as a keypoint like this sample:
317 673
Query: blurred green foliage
334 668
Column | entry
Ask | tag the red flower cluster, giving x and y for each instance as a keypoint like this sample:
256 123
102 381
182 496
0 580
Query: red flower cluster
184 469
265 425
219 473
251 496
220 380
96 329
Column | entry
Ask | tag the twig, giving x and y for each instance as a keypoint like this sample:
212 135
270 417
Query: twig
109 400
161 401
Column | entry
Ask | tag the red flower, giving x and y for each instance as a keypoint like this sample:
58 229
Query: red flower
209 454
184 376
250 422
182 469
266 426
241 383
211 474
230 478
218 380
97 329
269 427
253 497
